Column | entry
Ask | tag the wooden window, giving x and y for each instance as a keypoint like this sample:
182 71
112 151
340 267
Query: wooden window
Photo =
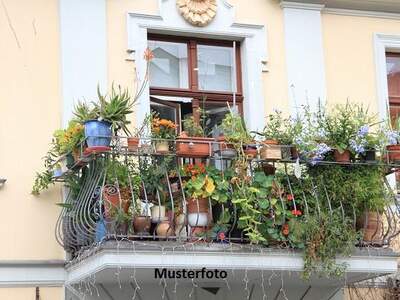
193 73
393 76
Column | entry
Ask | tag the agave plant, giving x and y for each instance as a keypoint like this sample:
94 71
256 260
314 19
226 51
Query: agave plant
115 108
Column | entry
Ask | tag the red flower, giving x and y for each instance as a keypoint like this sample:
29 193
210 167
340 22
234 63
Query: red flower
296 212
221 236
290 197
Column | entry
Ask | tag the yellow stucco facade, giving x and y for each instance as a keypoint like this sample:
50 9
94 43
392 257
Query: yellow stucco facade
31 101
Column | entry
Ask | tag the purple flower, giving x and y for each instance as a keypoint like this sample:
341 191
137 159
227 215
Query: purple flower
358 146
392 137
363 131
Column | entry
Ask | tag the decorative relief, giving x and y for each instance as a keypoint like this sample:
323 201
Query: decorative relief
198 12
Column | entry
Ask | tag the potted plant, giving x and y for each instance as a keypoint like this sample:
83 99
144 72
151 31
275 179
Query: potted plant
198 189
275 135
193 141
365 143
154 185
141 219
236 134
133 141
391 137
117 189
162 131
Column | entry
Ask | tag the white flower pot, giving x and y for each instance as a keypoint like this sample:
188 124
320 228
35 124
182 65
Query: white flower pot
198 219
157 213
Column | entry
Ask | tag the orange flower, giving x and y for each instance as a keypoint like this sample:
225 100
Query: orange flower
296 212
148 54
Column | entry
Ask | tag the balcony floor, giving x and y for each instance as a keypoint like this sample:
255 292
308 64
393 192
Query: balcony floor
118 263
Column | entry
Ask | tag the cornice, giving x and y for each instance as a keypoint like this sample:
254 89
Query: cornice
382 6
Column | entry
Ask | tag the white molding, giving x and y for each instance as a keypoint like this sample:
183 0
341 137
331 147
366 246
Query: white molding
83 51
300 5
253 39
304 57
278 261
361 13
32 273
382 44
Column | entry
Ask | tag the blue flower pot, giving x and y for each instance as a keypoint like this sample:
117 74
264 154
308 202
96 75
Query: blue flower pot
98 133
101 231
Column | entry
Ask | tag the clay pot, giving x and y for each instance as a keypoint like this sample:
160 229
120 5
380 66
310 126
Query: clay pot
393 153
250 151
371 224
111 199
268 169
271 150
223 144
341 157
133 143
294 152
197 147
141 225
197 205
165 229
162 147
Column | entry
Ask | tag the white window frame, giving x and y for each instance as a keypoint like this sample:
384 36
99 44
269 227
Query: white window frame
384 43
253 40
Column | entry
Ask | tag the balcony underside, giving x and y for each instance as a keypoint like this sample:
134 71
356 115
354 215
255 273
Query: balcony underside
122 263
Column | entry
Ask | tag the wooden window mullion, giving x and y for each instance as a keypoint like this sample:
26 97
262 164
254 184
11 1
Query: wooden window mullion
193 73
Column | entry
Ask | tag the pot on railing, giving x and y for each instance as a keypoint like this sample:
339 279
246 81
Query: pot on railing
162 147
250 151
196 147
133 143
198 212
393 153
141 225
342 156
225 149
369 155
98 133
271 150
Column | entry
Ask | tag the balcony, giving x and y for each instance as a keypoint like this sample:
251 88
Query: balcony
151 223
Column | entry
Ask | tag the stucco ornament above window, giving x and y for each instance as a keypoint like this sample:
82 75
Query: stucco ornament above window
197 12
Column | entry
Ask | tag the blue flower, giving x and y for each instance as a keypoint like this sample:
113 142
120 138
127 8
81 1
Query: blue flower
392 137
358 146
363 131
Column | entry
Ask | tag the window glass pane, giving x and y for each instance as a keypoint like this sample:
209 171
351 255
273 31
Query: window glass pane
215 68
393 76
169 67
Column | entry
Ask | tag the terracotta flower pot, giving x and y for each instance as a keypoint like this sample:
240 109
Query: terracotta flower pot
250 151
271 150
294 152
165 229
393 153
342 157
141 225
197 147
111 199
133 143
371 224
197 205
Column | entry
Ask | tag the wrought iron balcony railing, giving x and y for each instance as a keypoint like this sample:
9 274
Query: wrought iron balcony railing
145 193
